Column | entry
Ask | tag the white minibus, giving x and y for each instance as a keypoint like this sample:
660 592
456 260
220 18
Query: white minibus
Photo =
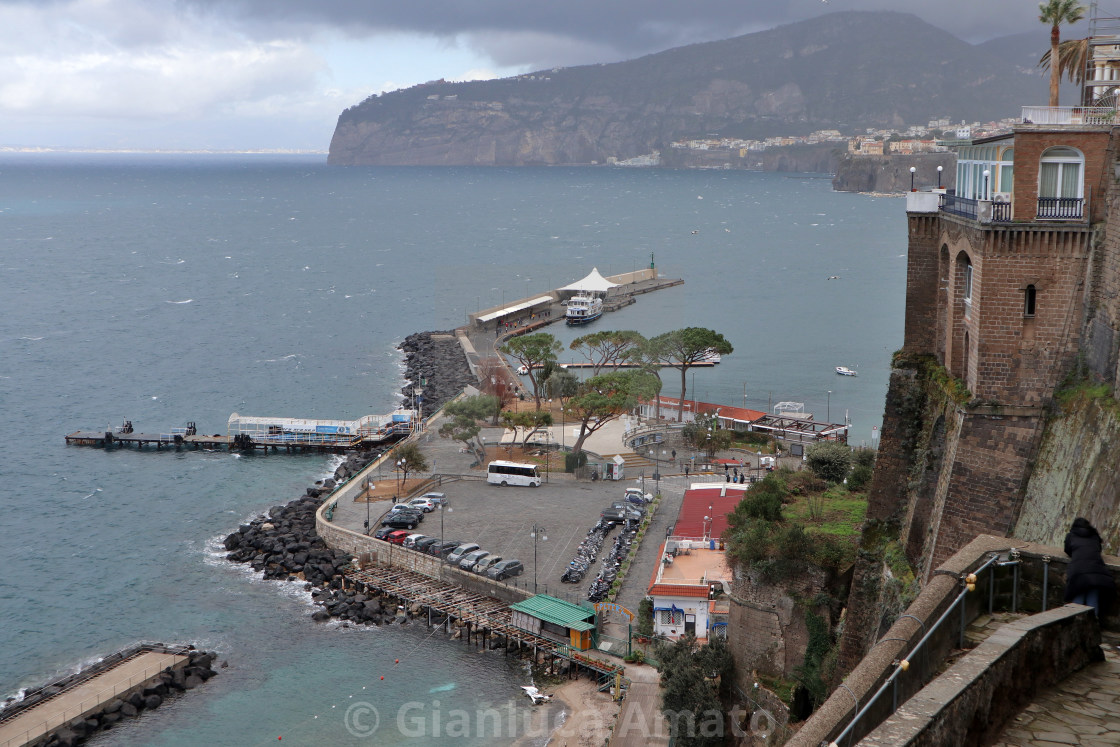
512 473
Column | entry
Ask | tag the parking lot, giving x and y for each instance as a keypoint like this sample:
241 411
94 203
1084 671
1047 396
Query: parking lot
501 521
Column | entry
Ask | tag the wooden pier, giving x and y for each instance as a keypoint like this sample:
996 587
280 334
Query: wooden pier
484 618
178 442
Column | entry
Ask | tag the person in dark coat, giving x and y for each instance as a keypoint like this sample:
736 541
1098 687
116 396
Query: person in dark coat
1088 580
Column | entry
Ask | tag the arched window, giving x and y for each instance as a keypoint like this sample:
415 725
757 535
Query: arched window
1060 183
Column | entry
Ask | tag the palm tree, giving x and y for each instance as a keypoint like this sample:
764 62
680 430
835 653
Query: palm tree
1055 13
1073 60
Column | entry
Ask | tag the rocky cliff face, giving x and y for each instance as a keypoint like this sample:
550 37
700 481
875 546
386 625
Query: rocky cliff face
770 83
892 173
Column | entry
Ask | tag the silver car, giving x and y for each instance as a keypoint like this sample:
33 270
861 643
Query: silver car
468 561
460 552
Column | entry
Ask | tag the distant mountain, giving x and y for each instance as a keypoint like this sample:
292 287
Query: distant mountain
843 70
1024 50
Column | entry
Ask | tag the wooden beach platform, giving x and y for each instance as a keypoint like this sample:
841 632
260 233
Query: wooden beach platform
484 617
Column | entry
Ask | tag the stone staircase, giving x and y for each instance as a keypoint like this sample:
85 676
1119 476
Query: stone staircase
634 464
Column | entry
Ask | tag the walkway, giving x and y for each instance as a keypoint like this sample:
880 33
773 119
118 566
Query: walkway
1082 710
86 697
640 721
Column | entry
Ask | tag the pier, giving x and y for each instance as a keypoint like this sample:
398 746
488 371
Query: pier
48 709
485 619
265 434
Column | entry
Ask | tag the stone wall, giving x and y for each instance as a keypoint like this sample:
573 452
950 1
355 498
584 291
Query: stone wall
972 701
768 620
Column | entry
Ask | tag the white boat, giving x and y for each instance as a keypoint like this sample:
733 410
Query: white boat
845 371
583 308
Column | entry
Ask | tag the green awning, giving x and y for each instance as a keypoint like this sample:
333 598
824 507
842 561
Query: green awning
557 611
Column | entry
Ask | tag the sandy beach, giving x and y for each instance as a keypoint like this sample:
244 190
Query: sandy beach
578 716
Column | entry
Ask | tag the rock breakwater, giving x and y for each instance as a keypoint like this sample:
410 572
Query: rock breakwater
146 697
435 361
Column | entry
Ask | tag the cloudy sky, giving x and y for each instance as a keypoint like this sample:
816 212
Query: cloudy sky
245 74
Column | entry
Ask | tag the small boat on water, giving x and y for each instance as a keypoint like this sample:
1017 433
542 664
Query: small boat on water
583 308
845 371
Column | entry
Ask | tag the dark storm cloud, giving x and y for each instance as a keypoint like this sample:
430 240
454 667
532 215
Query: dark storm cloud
629 27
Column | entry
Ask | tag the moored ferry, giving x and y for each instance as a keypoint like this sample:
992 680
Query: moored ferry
583 308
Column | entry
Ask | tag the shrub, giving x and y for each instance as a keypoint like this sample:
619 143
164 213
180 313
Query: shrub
829 460
860 477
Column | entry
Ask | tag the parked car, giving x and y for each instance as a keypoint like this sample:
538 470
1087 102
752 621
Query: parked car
383 532
439 499
460 551
400 520
405 507
398 537
505 569
422 503
425 544
621 512
467 562
486 563
411 540
445 548
637 495
632 508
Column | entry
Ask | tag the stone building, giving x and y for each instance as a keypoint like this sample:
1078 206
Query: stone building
1013 285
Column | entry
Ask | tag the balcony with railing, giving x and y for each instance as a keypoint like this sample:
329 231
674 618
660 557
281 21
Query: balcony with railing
1049 208
1070 115
1061 208
1000 212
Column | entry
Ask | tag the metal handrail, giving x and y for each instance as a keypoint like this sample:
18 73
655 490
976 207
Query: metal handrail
893 678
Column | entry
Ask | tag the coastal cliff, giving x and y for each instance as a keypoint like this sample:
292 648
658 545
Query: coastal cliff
856 173
755 86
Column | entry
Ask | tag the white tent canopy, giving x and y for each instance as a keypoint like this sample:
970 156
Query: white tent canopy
593 283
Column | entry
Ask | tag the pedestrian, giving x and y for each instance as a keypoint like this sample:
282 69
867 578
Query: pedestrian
1088 580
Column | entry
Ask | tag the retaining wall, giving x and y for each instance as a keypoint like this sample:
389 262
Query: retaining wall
972 701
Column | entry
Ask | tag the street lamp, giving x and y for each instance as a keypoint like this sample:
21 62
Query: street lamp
939 170
369 491
986 175
443 505
400 468
912 170
828 407
537 533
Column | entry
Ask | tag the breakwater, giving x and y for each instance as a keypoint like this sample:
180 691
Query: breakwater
435 362
69 710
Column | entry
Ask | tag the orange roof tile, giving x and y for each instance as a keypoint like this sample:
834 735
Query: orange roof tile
678 590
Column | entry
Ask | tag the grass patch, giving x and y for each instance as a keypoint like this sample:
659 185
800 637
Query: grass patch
842 515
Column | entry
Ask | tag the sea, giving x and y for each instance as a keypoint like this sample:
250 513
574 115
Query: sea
167 289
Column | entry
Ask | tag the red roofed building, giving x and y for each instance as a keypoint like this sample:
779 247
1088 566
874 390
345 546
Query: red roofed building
714 500
693 562
732 418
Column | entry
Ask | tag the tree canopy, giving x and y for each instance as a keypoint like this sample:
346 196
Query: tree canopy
533 351
604 398
684 348
609 348
829 460
462 423
409 458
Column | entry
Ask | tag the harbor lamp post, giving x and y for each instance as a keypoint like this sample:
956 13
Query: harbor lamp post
913 169
537 533
369 490
985 196
939 169
400 467
443 506
828 407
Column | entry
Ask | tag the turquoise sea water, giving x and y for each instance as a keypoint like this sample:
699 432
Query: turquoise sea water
168 289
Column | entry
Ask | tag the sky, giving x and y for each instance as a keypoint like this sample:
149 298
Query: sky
275 74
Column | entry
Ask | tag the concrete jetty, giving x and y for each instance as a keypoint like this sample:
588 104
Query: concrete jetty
115 687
